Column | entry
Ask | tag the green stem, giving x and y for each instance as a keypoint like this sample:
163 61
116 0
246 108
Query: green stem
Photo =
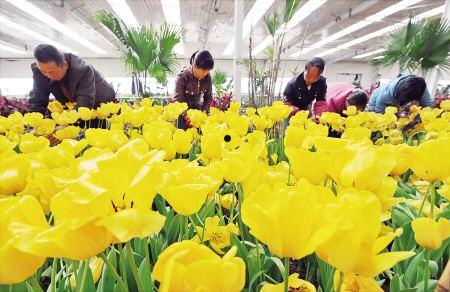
114 271
83 279
34 284
341 281
289 174
122 265
232 209
424 199
239 217
186 227
427 270
433 198
147 255
258 259
286 274
193 224
53 277
134 269
220 208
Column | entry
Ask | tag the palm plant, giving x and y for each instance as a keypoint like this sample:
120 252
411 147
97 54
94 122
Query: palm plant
146 50
262 82
419 47
219 80
276 23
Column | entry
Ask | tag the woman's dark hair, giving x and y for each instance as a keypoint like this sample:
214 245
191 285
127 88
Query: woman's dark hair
44 53
359 99
202 59
316 62
409 89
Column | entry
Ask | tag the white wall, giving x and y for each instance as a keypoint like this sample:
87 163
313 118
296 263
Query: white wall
15 75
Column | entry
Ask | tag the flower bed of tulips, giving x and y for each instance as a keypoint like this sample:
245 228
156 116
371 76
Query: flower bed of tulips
236 202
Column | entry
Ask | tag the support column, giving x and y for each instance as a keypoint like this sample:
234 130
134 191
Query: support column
237 68
433 79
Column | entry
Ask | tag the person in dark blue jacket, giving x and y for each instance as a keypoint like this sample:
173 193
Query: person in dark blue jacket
400 91
305 88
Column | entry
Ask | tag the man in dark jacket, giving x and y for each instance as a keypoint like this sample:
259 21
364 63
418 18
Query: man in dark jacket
68 78
307 87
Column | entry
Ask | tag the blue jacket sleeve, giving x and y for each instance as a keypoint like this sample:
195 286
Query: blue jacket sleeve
426 100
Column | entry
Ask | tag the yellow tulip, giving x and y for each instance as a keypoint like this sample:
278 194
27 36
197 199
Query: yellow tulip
30 143
218 236
158 134
429 234
15 265
295 284
287 219
77 239
119 204
15 170
55 107
189 266
226 200
356 283
250 111
237 124
279 111
96 266
173 110
357 133
46 127
132 222
182 141
355 245
431 160
196 117
71 105
364 168
304 163
445 105
66 117
212 145
86 114
351 110
34 119
234 106
70 132
102 138
237 164
103 111
185 185
333 119
6 147
260 123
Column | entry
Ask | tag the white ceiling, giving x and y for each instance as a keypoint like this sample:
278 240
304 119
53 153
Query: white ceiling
209 24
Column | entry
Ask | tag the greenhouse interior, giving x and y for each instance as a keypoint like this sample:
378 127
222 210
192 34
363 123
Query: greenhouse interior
224 145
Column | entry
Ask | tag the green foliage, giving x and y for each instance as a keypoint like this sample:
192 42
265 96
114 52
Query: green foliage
419 47
145 49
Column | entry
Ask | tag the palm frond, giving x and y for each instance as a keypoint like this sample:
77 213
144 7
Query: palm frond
273 22
145 49
290 7
419 47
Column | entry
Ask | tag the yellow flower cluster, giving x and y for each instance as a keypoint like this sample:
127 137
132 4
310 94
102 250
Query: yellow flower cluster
225 199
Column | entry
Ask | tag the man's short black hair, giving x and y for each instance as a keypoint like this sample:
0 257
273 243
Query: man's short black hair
44 53
203 60
409 89
316 62
359 99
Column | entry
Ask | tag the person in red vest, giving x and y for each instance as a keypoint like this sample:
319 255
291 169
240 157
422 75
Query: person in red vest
341 95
